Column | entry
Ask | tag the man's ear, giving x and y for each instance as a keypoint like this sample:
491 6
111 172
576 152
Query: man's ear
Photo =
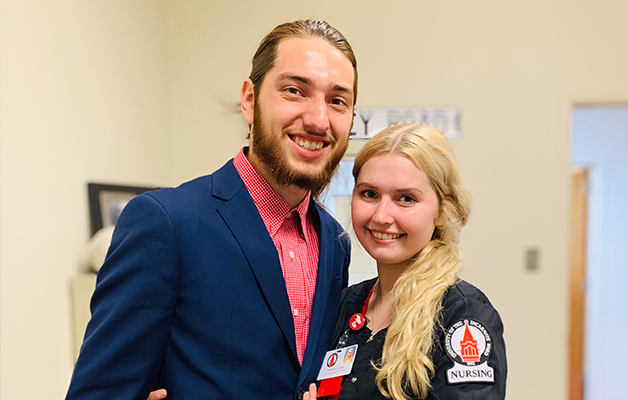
247 101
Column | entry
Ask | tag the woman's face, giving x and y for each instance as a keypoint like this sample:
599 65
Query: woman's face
394 209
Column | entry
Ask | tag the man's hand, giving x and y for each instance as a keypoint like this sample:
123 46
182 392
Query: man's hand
157 394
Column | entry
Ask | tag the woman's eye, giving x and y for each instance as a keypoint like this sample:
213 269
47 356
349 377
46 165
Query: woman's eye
407 199
369 194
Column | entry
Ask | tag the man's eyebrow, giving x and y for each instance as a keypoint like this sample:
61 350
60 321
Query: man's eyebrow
294 77
344 89
308 81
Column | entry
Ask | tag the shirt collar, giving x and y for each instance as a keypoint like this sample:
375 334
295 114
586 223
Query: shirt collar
272 207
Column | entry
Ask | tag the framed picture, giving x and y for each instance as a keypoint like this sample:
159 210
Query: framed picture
107 201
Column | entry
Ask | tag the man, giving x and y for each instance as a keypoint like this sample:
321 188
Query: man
228 286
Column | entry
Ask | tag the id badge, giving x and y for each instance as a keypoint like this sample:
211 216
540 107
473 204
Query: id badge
338 362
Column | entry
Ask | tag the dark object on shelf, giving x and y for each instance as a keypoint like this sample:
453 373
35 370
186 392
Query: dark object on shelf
107 201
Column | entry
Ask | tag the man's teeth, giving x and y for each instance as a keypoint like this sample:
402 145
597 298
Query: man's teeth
308 145
385 236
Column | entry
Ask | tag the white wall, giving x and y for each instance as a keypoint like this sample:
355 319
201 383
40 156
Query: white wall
515 68
600 141
83 98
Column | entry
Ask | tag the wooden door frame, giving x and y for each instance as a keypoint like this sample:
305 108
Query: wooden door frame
577 280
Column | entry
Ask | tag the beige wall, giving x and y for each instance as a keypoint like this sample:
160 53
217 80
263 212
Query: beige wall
83 98
143 92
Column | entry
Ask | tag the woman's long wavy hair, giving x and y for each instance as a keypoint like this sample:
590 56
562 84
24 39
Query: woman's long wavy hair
406 367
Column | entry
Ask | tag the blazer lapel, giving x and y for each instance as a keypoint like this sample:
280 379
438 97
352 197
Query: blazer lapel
242 217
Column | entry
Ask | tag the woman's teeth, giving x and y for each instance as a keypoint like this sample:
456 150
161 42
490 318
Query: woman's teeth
385 236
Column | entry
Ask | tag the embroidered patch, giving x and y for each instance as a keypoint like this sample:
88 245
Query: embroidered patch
469 345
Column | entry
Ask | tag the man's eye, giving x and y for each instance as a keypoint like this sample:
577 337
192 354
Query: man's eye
292 90
339 102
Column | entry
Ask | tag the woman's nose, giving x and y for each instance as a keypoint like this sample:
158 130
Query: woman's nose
383 214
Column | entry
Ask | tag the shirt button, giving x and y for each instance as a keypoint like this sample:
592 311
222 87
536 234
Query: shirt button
291 254
288 215
295 312
354 379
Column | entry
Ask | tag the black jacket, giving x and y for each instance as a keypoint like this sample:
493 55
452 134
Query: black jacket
480 375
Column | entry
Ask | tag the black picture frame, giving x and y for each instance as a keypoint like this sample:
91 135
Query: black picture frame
107 201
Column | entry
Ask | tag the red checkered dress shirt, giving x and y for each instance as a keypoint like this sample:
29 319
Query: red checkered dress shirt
296 241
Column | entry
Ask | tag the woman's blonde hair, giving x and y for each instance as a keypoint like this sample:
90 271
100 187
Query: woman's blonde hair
406 367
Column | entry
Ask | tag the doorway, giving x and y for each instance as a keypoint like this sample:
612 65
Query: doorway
600 145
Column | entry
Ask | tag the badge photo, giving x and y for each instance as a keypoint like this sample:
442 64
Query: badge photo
468 344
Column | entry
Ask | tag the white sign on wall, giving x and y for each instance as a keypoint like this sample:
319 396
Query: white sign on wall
370 121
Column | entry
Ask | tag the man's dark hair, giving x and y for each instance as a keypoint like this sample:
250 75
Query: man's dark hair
264 58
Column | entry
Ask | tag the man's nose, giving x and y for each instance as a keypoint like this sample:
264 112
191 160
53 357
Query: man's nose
316 116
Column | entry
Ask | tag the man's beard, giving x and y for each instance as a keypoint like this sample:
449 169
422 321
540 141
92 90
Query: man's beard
271 154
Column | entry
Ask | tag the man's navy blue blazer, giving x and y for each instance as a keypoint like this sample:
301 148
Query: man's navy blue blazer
191 298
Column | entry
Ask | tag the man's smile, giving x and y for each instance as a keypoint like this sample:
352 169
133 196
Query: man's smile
308 144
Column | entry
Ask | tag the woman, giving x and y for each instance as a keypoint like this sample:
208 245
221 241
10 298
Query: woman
429 335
